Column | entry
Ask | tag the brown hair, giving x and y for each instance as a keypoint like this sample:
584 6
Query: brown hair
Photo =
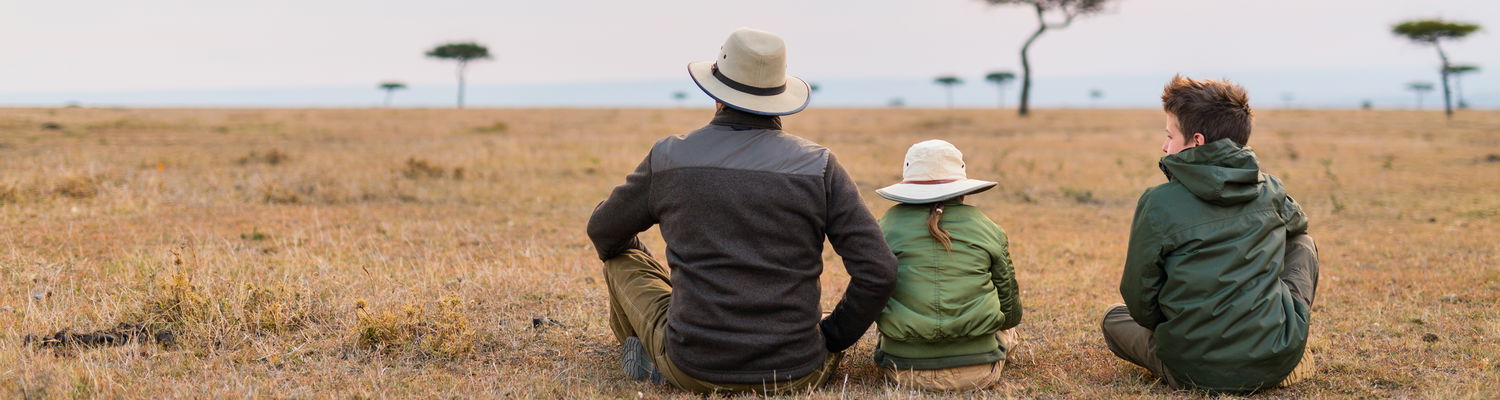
933 217
1216 109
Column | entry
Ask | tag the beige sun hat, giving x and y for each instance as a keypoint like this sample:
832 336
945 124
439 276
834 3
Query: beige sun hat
934 172
750 75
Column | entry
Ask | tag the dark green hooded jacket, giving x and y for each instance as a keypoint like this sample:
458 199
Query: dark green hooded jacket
1203 270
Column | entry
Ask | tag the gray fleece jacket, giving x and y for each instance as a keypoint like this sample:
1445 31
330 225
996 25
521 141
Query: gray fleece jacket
745 209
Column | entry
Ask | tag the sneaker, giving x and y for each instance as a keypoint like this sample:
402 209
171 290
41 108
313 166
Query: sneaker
636 363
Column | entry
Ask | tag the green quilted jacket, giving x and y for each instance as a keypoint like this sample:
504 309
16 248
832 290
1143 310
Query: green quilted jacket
947 306
1203 265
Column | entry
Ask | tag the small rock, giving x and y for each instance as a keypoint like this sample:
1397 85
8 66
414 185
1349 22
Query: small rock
1432 220
41 294
1429 337
1449 298
7 309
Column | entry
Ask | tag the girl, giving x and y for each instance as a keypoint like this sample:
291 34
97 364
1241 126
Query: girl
948 325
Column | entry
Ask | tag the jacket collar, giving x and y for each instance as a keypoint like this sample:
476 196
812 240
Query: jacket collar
740 120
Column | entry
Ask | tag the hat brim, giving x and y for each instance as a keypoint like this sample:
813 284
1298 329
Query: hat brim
794 99
918 194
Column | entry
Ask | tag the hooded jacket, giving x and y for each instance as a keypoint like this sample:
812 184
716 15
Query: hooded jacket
1203 270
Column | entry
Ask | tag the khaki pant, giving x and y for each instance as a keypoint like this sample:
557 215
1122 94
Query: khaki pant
640 289
965 378
1136 344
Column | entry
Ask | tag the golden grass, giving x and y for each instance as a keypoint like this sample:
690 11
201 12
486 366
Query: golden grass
406 253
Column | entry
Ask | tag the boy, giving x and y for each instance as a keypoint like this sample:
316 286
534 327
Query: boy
1220 273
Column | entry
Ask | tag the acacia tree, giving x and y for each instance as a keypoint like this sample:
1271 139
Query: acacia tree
463 53
1069 10
1433 32
1000 79
1457 72
680 96
1420 88
390 87
948 82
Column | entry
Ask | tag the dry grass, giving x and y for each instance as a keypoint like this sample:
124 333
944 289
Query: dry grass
407 253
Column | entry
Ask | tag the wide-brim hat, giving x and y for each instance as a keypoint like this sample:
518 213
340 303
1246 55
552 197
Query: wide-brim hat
934 171
750 75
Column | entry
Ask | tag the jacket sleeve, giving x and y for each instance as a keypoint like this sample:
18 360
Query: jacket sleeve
872 267
627 212
1003 275
1296 220
1142 281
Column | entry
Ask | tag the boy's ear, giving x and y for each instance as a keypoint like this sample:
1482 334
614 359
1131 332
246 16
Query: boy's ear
1197 139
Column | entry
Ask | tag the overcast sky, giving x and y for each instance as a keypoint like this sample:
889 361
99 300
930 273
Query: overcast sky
109 45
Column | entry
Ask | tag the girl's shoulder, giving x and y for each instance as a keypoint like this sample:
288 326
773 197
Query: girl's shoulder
972 217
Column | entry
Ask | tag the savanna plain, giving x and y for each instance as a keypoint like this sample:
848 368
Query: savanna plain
398 253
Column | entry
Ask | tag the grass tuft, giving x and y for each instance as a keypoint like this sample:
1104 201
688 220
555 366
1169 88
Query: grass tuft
271 157
440 331
78 186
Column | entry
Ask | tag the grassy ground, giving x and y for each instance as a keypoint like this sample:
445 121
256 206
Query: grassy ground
440 253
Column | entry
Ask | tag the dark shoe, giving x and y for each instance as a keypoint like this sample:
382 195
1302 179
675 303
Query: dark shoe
637 364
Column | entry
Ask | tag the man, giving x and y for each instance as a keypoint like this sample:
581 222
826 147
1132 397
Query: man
1220 274
744 209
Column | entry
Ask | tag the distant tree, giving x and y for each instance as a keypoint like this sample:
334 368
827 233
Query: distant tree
1095 95
679 96
463 53
1366 104
1458 71
1433 32
390 88
1069 9
813 86
1286 99
896 102
1420 88
948 82
1000 79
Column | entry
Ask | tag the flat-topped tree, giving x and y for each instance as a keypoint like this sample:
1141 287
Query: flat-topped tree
1434 32
1000 79
1067 10
948 82
463 53
390 88
1457 71
1420 88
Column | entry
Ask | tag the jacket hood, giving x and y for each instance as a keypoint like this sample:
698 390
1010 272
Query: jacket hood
1221 173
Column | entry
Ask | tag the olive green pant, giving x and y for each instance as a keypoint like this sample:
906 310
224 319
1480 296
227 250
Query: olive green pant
640 289
1135 343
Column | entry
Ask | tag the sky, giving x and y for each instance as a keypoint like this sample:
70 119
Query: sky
333 52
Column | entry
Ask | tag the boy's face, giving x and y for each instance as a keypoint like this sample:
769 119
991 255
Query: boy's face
1177 142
